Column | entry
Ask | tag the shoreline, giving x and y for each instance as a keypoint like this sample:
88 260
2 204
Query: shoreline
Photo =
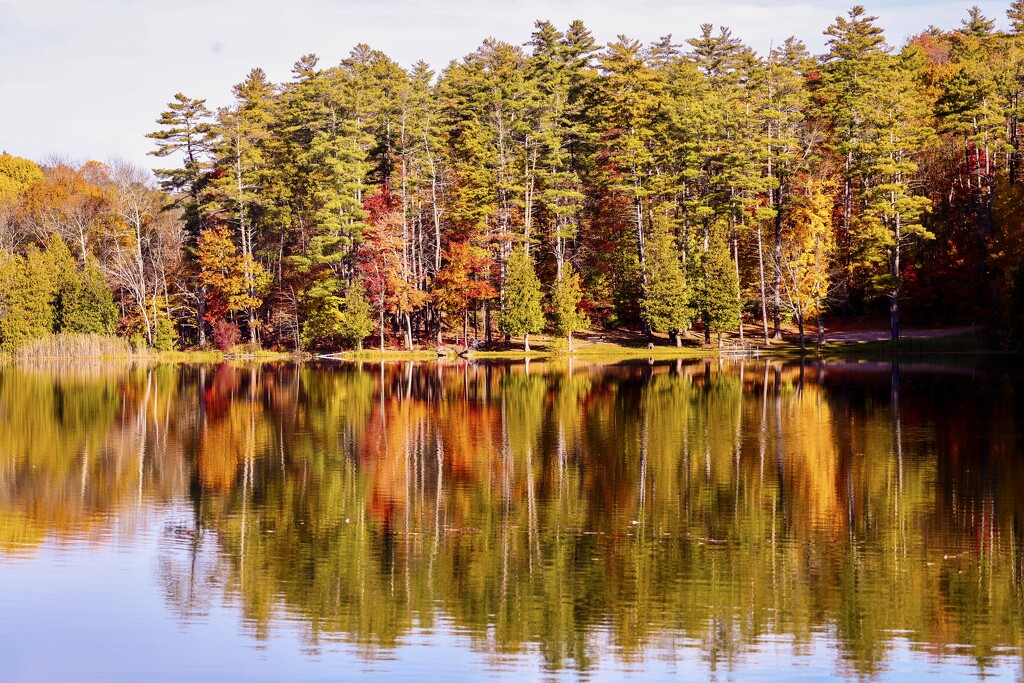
631 347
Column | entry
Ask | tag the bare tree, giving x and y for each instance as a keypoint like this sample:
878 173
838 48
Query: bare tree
143 243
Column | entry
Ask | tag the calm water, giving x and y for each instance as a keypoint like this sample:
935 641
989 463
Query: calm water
672 521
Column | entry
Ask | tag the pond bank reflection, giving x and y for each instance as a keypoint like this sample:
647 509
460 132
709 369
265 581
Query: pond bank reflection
578 512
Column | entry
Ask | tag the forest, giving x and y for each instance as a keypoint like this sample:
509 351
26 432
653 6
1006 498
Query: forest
674 189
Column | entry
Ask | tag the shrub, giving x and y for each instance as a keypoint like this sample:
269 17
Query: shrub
225 334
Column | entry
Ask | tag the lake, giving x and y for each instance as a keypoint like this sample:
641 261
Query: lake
561 521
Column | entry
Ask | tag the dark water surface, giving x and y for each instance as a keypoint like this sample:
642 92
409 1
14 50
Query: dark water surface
445 522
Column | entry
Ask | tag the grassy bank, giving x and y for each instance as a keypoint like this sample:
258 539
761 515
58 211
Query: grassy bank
596 346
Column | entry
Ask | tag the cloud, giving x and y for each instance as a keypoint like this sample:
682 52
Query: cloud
88 77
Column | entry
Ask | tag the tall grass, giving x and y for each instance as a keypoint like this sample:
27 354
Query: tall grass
68 345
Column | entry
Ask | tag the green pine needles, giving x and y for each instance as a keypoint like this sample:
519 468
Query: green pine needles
521 310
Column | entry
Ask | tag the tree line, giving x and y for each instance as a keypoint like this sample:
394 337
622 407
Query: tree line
549 187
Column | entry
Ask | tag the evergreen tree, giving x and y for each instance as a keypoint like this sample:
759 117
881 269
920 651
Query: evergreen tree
718 293
82 303
355 322
583 153
554 188
245 180
790 143
565 302
186 130
1016 16
27 290
88 304
666 305
977 25
973 111
633 119
893 211
857 49
521 311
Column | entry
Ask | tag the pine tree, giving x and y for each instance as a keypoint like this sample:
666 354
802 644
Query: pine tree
521 311
718 293
856 50
27 290
1016 16
633 120
893 211
565 302
355 322
554 189
244 178
666 305
977 25
82 303
187 130
790 143
324 154
973 109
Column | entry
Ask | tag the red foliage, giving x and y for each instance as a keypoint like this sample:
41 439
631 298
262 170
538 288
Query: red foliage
380 205
936 49
464 278
225 334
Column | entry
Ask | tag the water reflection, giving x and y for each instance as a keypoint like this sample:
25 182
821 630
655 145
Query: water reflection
576 512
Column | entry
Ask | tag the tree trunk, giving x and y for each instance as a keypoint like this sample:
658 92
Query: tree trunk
526 342
800 327
844 239
777 275
894 315
382 330
465 330
894 295
570 342
719 341
641 248
739 295
679 339
487 322
200 315
408 331
821 329
764 300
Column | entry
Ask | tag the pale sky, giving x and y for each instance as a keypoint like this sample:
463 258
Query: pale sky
86 79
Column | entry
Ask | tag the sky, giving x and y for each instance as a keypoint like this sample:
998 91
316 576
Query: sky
86 79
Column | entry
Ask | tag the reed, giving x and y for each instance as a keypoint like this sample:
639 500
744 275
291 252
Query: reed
68 345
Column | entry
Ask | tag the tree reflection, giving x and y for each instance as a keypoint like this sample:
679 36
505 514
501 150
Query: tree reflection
565 507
